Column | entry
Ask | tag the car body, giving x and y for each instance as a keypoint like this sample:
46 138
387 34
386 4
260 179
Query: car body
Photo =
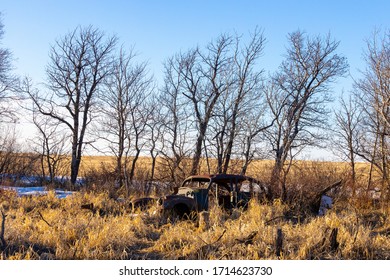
199 192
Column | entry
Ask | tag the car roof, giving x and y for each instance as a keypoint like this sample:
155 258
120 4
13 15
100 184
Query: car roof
221 178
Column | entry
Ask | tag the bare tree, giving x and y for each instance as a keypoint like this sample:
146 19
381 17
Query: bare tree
240 99
123 118
373 90
377 75
372 135
221 86
79 63
51 147
14 157
140 116
256 121
347 134
206 77
176 121
303 90
8 150
8 83
154 133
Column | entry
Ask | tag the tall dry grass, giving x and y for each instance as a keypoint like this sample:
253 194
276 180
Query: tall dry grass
50 228
47 227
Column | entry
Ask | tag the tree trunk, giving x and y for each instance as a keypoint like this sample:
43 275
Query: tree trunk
153 167
133 165
276 175
246 156
75 166
229 146
118 171
198 148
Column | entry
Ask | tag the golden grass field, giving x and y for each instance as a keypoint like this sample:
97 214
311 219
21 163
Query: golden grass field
50 228
259 169
46 227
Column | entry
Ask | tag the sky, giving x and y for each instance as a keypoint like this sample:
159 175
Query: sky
159 29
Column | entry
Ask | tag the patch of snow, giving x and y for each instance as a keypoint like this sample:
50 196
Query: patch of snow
32 191
325 205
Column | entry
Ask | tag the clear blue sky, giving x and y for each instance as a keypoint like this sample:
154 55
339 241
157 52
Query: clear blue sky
159 29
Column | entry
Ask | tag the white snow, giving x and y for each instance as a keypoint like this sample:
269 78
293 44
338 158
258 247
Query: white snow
326 203
26 191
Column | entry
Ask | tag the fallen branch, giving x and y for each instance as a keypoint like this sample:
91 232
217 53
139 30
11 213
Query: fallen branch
328 188
202 251
43 219
273 219
219 238
249 239
316 202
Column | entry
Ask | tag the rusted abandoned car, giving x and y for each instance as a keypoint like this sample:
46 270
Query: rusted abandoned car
198 193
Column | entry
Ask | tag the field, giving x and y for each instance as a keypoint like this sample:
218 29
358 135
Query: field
93 224
47 227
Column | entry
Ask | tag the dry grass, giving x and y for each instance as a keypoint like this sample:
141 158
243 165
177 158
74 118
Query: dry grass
50 228
260 169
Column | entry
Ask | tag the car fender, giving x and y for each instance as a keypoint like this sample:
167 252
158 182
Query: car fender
171 201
